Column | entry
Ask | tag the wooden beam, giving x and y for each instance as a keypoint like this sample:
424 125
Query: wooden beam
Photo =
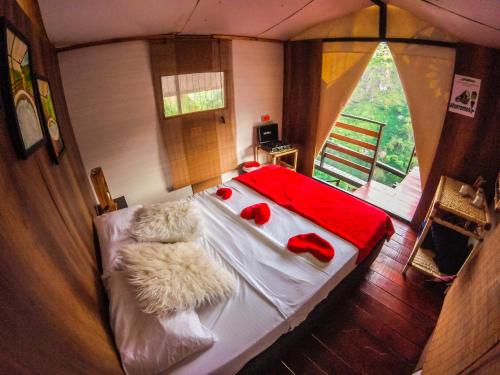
249 38
162 36
438 43
354 141
382 21
348 151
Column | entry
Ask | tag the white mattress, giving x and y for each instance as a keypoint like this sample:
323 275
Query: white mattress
276 290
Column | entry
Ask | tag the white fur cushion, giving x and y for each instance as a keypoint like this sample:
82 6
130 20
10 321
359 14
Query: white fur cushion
177 221
174 277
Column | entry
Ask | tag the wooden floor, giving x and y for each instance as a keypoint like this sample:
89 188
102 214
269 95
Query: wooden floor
401 201
380 329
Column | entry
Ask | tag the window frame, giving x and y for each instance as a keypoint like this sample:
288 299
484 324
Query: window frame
178 94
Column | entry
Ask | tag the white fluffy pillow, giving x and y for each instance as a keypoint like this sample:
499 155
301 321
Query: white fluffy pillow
174 277
177 221
150 344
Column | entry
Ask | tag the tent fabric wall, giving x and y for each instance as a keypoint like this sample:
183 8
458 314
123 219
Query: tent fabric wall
343 65
363 23
426 73
403 24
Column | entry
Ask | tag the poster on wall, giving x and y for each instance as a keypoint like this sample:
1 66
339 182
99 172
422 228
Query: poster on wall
464 95
55 142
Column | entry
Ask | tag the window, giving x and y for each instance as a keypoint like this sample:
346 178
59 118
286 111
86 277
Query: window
188 93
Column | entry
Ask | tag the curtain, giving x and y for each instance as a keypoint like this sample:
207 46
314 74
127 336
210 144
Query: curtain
200 146
426 74
343 66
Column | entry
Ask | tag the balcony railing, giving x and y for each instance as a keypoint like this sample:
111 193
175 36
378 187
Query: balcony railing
353 180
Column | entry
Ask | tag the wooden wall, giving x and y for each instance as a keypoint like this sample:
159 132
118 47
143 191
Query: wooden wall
51 296
301 93
469 147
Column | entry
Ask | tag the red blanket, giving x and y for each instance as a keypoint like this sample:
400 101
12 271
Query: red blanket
346 216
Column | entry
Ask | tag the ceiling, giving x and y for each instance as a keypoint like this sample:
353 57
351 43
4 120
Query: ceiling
70 22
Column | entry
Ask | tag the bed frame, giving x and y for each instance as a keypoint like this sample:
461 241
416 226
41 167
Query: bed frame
258 364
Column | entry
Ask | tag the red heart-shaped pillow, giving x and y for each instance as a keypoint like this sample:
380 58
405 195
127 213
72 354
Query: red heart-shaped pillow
312 243
224 193
260 212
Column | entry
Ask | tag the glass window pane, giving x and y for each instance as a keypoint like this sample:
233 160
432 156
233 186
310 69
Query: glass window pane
169 92
195 92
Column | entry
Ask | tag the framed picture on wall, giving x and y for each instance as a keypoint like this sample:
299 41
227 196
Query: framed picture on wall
55 143
18 93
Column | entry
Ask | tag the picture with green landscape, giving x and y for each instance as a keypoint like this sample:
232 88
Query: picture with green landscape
56 144
25 120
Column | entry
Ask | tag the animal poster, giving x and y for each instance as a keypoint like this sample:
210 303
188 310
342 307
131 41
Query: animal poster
464 95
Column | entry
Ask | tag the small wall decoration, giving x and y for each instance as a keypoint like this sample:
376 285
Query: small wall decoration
464 95
55 142
17 90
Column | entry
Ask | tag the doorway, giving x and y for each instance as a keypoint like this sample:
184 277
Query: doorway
371 150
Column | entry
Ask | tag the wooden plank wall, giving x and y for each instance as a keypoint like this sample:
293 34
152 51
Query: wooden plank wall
469 147
51 304
301 93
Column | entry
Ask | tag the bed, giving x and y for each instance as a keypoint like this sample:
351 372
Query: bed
276 289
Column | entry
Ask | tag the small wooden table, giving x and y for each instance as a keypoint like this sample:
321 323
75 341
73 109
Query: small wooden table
453 211
277 155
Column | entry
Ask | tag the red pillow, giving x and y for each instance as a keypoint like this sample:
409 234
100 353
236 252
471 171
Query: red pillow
224 193
251 164
260 212
312 243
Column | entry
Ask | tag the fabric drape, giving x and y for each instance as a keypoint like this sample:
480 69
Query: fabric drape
343 66
426 73
200 146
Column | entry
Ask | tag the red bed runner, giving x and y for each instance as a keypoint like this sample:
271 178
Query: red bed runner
340 213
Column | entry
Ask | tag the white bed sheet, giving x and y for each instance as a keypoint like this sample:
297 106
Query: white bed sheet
276 290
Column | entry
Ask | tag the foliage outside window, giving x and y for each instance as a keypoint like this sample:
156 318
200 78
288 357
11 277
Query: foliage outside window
379 96
188 93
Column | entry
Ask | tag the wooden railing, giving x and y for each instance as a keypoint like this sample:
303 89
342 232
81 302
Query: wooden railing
350 179
355 153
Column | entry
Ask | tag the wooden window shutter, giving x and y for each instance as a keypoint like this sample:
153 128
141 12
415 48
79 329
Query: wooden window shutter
199 146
